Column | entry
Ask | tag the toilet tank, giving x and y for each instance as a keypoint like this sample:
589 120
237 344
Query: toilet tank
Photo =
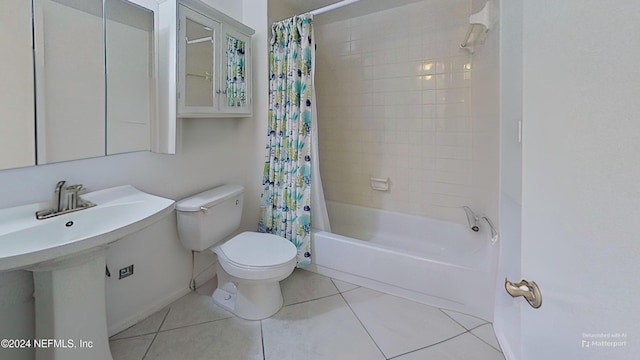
207 218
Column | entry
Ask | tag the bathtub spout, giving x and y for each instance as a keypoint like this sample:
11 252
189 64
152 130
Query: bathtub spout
472 218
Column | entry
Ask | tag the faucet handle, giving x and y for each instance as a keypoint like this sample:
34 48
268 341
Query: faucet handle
72 197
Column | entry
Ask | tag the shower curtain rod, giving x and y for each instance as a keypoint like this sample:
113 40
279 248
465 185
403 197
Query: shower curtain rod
328 8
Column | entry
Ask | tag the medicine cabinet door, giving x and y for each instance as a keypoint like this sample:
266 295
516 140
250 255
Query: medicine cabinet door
236 81
197 61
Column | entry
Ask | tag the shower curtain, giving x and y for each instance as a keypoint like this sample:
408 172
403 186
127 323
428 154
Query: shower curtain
290 166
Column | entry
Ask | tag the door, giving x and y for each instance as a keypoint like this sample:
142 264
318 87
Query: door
580 180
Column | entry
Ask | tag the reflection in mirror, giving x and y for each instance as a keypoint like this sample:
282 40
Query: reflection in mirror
199 77
130 76
56 99
17 142
70 81
236 82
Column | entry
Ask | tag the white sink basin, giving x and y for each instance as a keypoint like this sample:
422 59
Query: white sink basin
66 254
29 243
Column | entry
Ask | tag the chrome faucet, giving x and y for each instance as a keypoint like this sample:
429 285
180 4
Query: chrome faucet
472 218
65 200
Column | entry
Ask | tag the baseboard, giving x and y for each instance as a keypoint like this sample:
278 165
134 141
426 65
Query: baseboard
507 351
206 274
153 308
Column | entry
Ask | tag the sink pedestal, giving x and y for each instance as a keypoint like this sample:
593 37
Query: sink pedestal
66 254
71 317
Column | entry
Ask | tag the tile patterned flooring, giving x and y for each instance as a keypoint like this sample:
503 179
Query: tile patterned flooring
322 319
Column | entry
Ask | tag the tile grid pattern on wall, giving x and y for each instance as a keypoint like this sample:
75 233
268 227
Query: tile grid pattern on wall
322 319
394 101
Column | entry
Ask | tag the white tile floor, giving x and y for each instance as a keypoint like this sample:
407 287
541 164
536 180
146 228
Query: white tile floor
322 319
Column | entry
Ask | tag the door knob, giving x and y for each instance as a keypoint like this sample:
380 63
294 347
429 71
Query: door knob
527 289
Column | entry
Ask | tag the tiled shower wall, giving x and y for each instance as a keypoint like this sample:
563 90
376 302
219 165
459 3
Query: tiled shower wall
393 90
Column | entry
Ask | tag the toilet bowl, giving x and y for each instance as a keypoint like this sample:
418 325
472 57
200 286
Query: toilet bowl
250 265
250 268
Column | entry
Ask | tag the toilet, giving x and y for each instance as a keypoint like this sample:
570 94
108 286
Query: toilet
250 265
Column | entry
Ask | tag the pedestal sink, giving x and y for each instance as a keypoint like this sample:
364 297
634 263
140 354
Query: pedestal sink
66 254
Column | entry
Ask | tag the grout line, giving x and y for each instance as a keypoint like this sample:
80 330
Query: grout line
305 301
262 340
428 346
342 292
112 338
473 328
334 285
364 327
200 323
156 335
133 336
481 339
355 288
456 321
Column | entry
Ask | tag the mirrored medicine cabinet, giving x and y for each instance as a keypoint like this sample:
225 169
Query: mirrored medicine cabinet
79 79
214 62
89 78
205 67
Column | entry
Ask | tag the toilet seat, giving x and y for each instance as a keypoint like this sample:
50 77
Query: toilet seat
255 256
258 249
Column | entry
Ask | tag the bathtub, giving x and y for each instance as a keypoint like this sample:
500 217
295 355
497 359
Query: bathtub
435 262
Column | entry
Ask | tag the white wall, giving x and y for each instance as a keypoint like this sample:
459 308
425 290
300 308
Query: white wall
255 13
280 10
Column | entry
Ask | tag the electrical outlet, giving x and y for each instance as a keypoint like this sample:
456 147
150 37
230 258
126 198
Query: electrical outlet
126 271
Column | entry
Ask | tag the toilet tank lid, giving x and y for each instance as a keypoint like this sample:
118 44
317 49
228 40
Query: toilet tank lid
209 198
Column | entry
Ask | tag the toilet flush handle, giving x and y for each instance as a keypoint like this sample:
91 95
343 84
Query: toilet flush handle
204 209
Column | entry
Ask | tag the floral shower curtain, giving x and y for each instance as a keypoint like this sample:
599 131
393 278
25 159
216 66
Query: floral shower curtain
285 207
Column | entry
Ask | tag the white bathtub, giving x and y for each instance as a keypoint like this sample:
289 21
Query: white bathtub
435 262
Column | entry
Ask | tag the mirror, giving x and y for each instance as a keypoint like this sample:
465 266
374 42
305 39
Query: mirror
131 88
17 140
93 77
199 77
70 82
236 81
